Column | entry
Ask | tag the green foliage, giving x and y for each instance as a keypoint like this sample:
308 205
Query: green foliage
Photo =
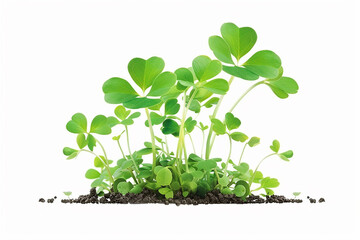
174 102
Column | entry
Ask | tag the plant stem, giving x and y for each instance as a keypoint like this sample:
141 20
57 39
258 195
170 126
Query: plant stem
105 164
228 159
257 167
208 147
166 145
192 143
152 140
128 145
202 145
122 152
245 93
242 153
103 149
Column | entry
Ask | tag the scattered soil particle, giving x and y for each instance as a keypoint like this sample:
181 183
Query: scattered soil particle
55 197
149 196
312 200
42 200
321 200
50 200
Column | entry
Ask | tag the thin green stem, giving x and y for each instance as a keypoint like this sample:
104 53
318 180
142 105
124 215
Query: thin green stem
103 149
105 163
133 176
203 142
257 167
152 139
228 159
242 153
122 152
167 146
208 142
244 94
130 153
192 143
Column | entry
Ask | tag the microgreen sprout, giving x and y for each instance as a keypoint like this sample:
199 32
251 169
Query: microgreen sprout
68 194
172 103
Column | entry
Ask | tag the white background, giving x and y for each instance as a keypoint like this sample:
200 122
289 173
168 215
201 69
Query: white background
55 56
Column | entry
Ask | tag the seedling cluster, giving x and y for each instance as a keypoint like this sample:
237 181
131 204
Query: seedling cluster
171 102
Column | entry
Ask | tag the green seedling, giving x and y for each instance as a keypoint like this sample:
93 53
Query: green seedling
173 103
68 194
296 194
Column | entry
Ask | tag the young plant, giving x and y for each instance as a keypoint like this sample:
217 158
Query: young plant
172 103
68 194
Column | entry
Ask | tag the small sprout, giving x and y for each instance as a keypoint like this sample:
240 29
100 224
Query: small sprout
68 194
296 194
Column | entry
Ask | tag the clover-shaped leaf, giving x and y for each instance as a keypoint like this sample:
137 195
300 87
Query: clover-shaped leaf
130 119
205 68
185 78
142 102
221 49
77 124
118 90
144 72
239 136
170 127
218 126
100 125
275 146
283 86
162 84
190 124
253 141
217 86
242 168
231 121
240 40
240 72
172 107
264 63
269 182
164 177
121 112
155 118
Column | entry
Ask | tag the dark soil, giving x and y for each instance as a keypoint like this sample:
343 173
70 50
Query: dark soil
148 196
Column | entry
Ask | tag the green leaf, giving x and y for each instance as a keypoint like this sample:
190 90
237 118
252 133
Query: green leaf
258 176
264 63
169 194
121 112
187 177
211 102
217 86
77 124
206 165
81 141
124 187
242 168
296 194
190 124
144 151
269 182
218 126
269 191
67 193
68 151
141 102
253 141
100 125
239 190
144 72
156 119
98 162
184 75
288 154
205 68
136 189
283 86
240 40
92 174
129 120
226 191
245 185
195 106
170 127
144 174
220 49
275 146
164 177
239 136
91 141
172 107
231 121
202 94
164 190
162 84
240 72
112 121
224 181
118 90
